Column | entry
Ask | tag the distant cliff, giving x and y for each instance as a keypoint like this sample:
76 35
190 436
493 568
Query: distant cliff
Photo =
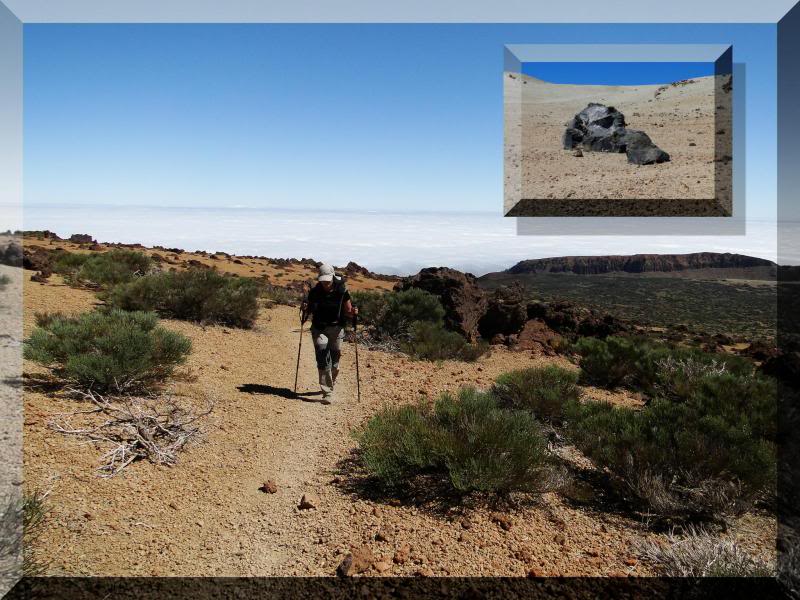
638 263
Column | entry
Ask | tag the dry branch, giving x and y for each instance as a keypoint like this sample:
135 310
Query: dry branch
155 428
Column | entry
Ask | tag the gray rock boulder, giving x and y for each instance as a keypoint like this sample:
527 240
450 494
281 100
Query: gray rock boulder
641 150
599 128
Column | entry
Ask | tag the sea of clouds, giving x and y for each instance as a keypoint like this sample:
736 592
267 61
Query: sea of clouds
385 242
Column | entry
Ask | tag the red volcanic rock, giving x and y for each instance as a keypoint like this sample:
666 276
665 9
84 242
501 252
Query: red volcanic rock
536 335
464 302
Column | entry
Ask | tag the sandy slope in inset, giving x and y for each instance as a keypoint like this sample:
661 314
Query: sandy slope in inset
206 516
674 118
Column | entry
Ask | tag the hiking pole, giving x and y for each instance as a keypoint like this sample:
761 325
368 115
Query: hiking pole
299 346
355 341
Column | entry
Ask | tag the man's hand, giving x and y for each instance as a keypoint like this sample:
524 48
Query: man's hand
303 311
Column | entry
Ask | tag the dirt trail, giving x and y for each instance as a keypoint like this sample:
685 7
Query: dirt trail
207 516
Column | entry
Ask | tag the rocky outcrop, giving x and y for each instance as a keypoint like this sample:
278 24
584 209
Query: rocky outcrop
506 312
81 238
537 336
568 319
11 255
638 263
354 269
36 258
599 128
464 302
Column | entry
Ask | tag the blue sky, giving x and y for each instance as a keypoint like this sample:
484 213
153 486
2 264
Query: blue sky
617 73
354 117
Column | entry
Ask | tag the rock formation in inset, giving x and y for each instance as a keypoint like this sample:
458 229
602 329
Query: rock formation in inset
599 128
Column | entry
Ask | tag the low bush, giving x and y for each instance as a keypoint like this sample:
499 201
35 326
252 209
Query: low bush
111 350
102 269
676 457
404 309
699 554
748 403
280 295
542 390
22 516
35 511
67 263
431 341
465 440
371 306
397 443
200 295
649 366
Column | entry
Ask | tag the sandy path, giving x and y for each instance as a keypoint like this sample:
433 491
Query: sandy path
207 514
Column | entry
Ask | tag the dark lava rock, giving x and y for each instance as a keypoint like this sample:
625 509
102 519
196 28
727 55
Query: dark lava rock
640 149
761 351
567 319
506 313
463 301
785 367
36 258
41 276
81 238
599 128
572 138
11 255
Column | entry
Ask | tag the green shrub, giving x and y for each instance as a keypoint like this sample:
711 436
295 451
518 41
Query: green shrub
648 366
102 269
431 341
201 295
371 306
405 308
489 449
4 280
34 513
67 263
541 390
748 403
105 351
396 443
677 457
465 440
280 295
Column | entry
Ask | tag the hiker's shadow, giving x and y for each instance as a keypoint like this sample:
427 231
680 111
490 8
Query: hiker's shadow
260 388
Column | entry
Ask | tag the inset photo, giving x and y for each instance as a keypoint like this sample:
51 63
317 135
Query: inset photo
619 139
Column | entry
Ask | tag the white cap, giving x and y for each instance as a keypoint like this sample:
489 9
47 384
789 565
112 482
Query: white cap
325 273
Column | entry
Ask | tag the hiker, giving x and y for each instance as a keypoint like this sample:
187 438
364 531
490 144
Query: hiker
330 305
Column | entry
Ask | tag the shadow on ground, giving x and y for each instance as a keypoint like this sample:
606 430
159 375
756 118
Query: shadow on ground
44 384
282 392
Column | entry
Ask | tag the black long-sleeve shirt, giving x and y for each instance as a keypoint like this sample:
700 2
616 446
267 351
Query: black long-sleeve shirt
327 308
